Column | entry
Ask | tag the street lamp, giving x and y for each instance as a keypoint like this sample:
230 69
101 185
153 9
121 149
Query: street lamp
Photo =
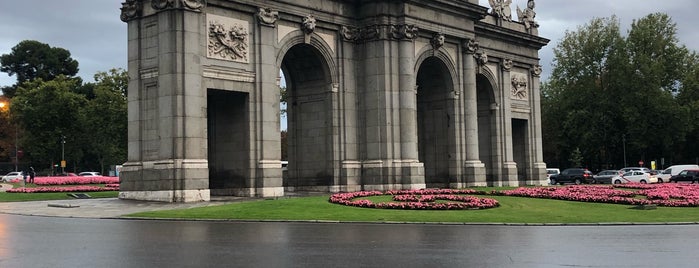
623 138
3 104
63 154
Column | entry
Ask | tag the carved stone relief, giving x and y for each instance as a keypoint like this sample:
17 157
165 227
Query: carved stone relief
481 58
404 31
519 87
501 9
130 9
471 46
195 5
267 16
228 39
351 34
308 24
527 15
162 4
507 64
536 70
437 40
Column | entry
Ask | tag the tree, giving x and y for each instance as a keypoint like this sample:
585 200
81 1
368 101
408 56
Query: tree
605 88
107 121
579 89
31 59
48 111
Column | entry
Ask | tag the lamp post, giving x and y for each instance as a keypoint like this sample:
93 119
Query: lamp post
63 154
2 107
623 138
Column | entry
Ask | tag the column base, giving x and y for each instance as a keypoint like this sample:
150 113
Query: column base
185 196
537 175
382 175
509 177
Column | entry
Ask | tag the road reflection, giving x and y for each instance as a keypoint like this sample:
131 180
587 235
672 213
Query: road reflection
27 241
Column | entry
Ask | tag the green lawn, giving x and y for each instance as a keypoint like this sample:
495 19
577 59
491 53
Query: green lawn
511 210
20 197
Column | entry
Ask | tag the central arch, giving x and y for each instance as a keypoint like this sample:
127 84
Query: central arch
308 81
435 120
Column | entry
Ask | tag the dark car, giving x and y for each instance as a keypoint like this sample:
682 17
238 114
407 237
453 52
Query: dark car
605 176
572 175
686 175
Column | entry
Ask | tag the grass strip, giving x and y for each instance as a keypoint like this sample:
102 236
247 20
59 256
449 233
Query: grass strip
511 210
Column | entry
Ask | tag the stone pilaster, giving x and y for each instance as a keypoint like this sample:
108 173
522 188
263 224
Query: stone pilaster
537 173
509 166
474 169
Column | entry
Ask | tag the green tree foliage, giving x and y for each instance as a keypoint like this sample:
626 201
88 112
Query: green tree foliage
31 59
605 86
107 120
48 110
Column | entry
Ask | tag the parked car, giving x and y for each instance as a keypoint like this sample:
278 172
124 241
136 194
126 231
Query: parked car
574 175
627 169
686 175
674 170
605 176
634 176
12 176
89 174
552 171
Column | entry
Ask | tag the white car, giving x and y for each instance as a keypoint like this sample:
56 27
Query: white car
674 170
89 174
552 171
634 176
12 176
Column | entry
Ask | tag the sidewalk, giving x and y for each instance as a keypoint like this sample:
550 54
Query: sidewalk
95 208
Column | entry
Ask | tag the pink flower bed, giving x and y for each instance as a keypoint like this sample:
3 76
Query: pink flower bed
418 199
75 180
62 189
670 195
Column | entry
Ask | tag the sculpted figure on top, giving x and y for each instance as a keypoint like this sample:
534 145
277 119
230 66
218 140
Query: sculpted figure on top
501 8
527 16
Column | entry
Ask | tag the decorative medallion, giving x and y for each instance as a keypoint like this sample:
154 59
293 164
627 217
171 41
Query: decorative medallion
519 87
309 24
161 4
267 16
437 40
130 10
195 5
228 39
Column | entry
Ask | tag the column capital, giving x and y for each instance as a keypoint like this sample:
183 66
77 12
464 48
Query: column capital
470 46
267 16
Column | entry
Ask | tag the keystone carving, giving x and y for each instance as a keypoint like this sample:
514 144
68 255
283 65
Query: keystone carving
481 58
309 24
267 16
437 40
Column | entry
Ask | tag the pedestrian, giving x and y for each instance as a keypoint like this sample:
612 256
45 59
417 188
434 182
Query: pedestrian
24 175
32 174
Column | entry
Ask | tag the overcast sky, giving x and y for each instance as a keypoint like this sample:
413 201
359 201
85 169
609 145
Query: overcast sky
92 32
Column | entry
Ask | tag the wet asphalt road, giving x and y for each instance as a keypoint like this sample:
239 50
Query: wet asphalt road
36 241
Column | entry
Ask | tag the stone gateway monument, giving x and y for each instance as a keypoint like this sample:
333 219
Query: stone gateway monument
382 94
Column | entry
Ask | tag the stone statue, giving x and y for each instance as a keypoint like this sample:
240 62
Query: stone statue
527 16
501 8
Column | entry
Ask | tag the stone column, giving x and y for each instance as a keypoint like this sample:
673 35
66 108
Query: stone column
474 169
509 172
412 170
266 138
537 173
